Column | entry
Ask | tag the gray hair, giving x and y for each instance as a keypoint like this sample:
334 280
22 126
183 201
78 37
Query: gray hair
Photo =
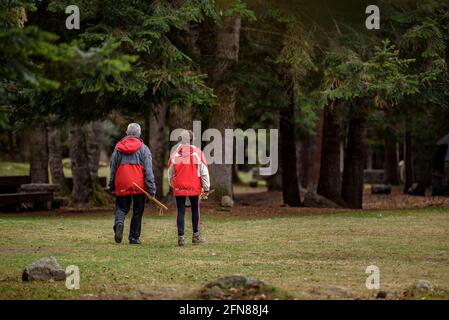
134 130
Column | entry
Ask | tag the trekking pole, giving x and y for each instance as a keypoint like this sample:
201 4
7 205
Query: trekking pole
159 204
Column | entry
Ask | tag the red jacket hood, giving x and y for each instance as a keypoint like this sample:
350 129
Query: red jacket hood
186 149
129 145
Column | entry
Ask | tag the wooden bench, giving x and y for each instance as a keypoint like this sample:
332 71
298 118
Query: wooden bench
12 197
18 190
40 200
11 184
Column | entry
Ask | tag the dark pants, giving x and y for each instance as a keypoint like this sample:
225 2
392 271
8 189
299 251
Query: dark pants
123 204
181 205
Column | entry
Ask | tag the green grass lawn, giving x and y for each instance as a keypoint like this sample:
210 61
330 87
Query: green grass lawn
14 169
307 256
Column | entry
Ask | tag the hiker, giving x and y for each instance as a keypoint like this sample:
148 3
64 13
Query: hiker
130 162
188 176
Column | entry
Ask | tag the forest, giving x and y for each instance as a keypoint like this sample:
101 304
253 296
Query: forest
343 98
325 125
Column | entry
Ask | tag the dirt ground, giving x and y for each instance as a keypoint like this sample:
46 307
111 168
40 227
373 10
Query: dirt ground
262 203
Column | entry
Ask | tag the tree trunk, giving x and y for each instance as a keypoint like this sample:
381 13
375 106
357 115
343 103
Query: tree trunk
302 155
180 117
274 182
315 156
55 158
39 155
391 155
235 175
146 126
94 139
290 187
223 116
157 145
408 154
352 186
11 142
221 174
369 157
82 182
330 176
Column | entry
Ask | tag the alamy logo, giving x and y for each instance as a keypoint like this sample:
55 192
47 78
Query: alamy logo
220 150
373 20
72 280
73 20
373 280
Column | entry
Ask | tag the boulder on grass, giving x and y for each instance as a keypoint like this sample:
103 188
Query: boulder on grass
44 269
227 202
314 200
239 287
424 285
380 189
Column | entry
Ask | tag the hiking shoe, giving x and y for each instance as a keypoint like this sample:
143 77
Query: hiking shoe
197 239
134 241
181 241
118 232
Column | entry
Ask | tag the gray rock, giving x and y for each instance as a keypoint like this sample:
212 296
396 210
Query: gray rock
337 291
213 293
314 200
226 201
238 287
44 269
233 286
236 282
424 285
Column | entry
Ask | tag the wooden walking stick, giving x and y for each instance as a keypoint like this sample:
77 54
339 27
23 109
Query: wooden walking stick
204 196
159 204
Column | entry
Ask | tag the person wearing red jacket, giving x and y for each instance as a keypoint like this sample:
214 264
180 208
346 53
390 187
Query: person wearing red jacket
130 163
188 176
